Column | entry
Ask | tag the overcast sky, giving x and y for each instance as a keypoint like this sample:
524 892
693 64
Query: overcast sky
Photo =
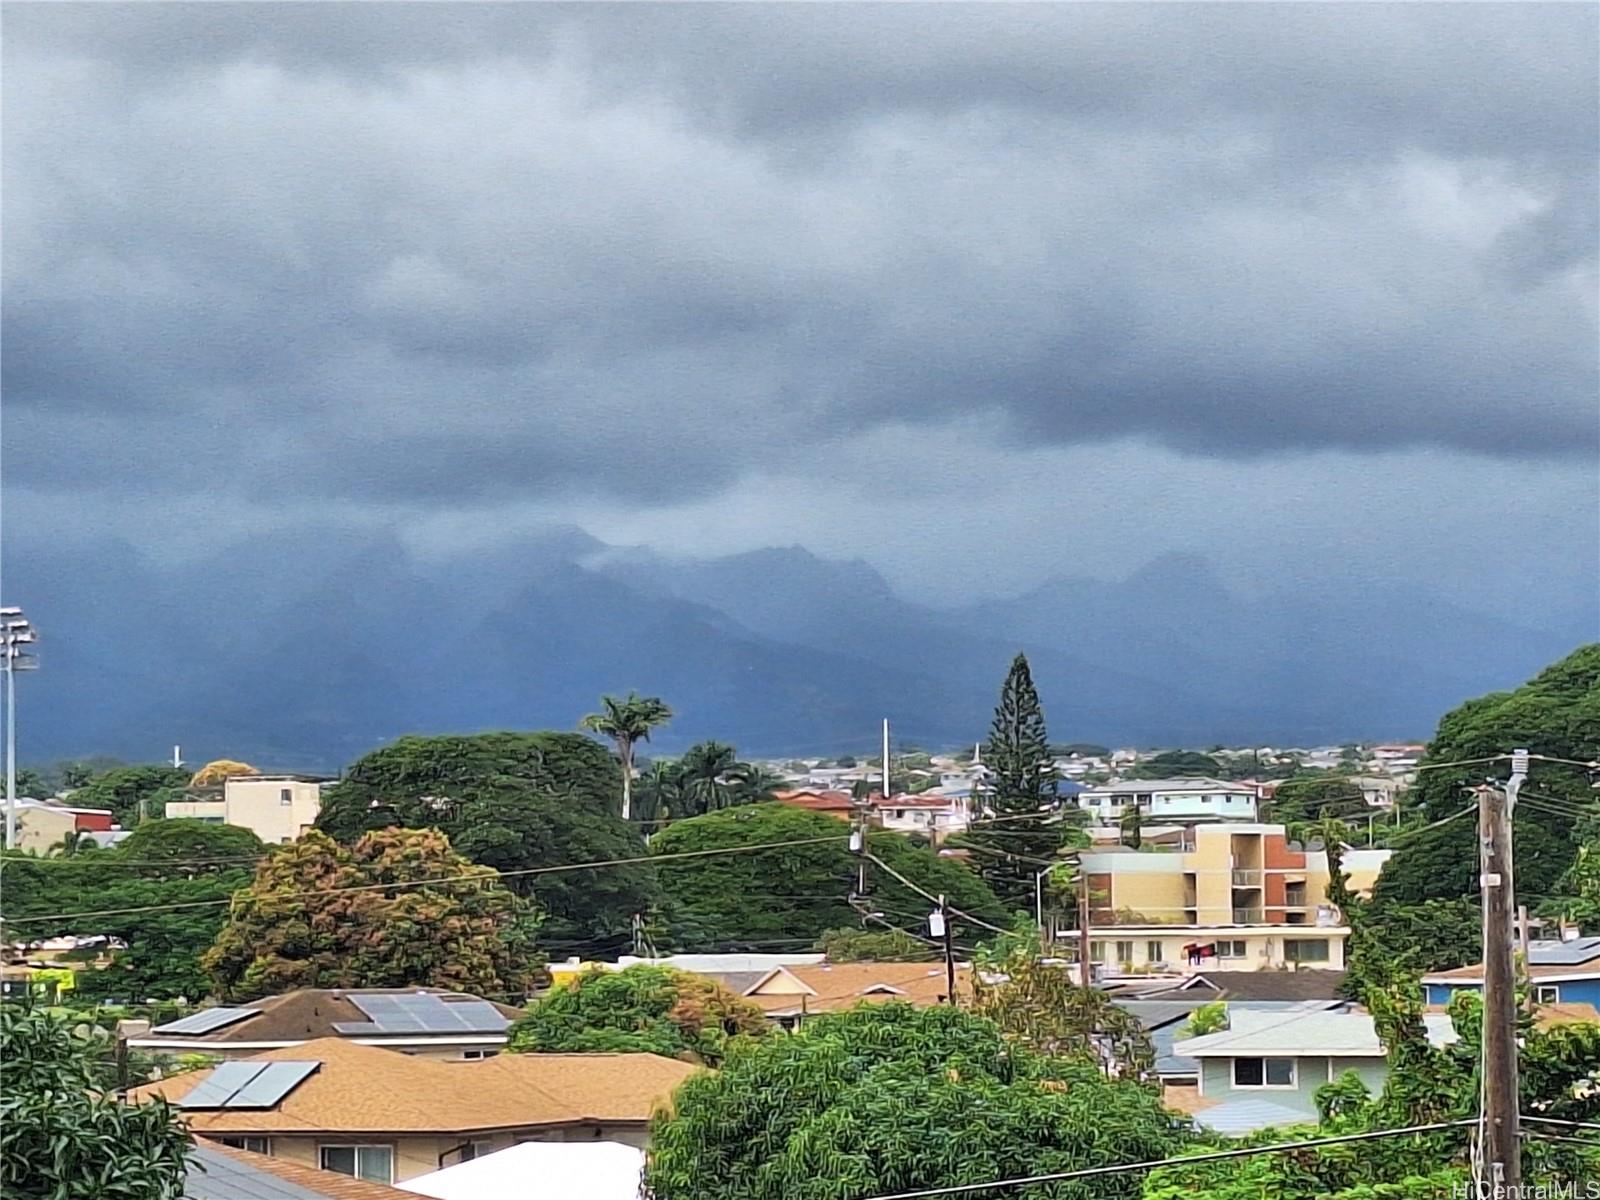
981 294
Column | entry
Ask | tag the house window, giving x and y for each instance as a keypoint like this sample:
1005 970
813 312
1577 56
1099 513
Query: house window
1230 949
1124 952
375 1164
473 1055
1547 993
1097 952
258 1145
1299 950
1263 1073
285 796
1153 952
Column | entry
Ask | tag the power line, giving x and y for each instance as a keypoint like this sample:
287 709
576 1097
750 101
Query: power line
930 896
1152 1164
480 875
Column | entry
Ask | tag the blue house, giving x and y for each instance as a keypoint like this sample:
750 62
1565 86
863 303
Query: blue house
1564 972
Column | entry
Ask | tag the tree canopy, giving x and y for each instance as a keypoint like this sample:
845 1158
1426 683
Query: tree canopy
220 770
1557 713
886 1098
627 722
289 929
63 1135
514 802
1177 764
875 945
647 1008
709 777
133 792
790 895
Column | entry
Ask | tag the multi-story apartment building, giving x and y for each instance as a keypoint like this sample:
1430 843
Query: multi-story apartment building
1233 874
276 808
1171 801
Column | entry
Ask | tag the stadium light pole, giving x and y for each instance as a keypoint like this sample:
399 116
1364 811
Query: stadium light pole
15 633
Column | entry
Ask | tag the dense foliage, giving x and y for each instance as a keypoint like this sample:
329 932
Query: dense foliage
190 866
62 1137
1557 714
709 777
875 945
1177 764
889 1098
289 929
788 896
1010 841
648 1008
133 793
514 802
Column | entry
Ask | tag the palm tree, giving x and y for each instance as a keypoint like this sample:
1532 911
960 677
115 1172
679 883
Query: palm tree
706 771
627 722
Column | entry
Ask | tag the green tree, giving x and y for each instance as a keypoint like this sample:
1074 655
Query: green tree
293 927
646 1008
627 722
793 892
1017 751
515 802
1208 1018
63 1135
1557 713
133 793
889 1098
848 945
188 844
1311 797
1177 764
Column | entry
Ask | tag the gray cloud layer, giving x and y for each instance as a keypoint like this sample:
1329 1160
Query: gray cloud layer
419 254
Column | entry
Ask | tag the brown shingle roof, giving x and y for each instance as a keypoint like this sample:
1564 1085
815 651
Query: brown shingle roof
368 1089
1536 970
836 986
302 1015
323 1183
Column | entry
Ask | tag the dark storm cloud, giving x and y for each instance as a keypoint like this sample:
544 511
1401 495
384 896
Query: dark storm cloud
415 252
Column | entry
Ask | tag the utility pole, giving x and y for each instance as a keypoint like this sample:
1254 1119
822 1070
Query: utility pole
16 631
1501 1153
886 760
1085 974
939 926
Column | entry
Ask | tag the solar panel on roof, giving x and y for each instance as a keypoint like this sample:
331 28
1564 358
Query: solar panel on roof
1552 953
425 1012
226 1079
206 1021
272 1085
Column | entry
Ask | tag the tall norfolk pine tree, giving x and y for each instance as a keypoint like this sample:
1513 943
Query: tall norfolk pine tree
1011 848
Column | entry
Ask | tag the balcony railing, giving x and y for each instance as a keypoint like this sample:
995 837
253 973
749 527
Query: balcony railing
1246 878
1249 916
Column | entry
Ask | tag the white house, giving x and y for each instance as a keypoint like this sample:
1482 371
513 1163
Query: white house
1169 800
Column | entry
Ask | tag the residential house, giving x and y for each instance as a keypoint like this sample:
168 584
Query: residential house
1241 874
276 808
935 815
790 994
44 824
385 1117
1266 1067
218 1172
1166 800
736 972
428 1022
838 804
1559 972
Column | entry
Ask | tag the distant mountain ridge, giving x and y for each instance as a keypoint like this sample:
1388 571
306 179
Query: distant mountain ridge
306 649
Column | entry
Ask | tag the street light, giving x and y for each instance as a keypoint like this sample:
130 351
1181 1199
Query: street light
15 633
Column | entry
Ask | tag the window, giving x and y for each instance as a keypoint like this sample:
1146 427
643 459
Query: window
1547 993
285 796
1230 949
1124 952
471 1055
1097 952
375 1164
1299 950
1263 1073
258 1145
1153 952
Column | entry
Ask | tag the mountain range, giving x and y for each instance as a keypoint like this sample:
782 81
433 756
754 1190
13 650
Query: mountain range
308 648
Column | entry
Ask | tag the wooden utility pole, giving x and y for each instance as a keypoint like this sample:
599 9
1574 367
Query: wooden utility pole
949 952
1501 1153
1085 972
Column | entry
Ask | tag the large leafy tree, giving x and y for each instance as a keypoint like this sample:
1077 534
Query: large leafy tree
648 1008
1557 714
1177 764
133 793
1018 831
423 915
890 1098
63 1135
514 802
789 895
627 722
875 945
